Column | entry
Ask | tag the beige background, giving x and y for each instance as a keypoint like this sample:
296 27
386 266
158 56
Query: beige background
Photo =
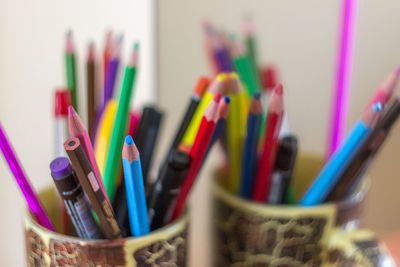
31 66
300 37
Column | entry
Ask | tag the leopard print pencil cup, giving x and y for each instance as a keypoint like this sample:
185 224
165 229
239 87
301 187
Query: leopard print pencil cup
164 247
253 234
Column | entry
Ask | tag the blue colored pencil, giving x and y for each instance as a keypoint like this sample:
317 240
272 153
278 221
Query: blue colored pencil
223 111
250 147
329 175
137 207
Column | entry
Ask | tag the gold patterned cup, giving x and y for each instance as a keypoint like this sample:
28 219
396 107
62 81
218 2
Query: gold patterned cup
253 234
164 247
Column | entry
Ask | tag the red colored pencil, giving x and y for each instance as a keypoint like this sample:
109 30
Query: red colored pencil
107 53
197 152
267 160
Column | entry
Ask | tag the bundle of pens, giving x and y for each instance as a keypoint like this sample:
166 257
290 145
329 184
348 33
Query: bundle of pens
261 152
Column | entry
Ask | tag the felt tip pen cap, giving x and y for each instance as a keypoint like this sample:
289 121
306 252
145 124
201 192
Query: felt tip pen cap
179 159
60 168
269 77
62 100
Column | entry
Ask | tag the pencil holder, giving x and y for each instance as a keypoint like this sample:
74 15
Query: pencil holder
251 234
164 247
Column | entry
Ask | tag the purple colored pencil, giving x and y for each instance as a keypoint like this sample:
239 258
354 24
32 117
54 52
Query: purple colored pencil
222 57
111 78
16 168
344 62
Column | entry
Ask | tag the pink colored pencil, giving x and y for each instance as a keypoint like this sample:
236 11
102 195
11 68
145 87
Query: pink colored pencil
31 198
386 89
344 62
77 129
133 122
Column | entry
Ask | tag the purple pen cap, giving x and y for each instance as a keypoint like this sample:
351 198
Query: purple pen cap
60 168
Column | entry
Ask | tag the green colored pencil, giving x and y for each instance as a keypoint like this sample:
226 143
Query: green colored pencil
120 124
251 46
70 67
242 65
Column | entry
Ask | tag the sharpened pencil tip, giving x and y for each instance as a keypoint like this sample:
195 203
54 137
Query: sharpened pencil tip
377 106
227 99
279 89
217 97
221 77
71 111
136 46
129 140
257 95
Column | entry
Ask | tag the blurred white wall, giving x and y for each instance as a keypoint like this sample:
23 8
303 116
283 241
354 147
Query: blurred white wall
300 37
32 65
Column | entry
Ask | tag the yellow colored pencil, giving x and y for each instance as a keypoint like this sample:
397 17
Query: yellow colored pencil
102 142
215 87
235 132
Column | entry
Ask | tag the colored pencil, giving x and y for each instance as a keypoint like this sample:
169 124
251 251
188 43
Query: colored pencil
106 55
120 124
243 67
166 189
249 155
386 89
342 79
251 45
103 138
267 160
197 152
61 102
77 129
332 170
223 115
112 70
17 170
91 87
70 67
216 86
199 90
209 46
88 180
221 53
235 135
135 189
359 163
134 120
73 198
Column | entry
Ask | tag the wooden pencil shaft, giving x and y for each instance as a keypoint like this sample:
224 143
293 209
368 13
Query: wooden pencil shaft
88 181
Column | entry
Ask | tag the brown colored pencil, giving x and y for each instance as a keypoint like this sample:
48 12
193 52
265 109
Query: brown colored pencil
91 88
86 176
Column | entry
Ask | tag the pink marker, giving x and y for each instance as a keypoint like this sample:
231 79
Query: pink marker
344 62
77 129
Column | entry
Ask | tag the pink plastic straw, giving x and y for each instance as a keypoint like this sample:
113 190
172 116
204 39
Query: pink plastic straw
344 62
30 196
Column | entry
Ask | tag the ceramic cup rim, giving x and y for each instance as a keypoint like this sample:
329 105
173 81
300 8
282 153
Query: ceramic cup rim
176 226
